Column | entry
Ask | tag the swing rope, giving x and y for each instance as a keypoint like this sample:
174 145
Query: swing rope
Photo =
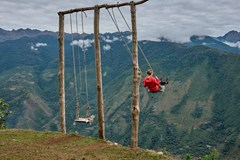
85 66
122 37
137 42
74 71
116 25
79 69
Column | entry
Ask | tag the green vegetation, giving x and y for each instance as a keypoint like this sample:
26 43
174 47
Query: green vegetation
28 145
199 110
197 113
4 112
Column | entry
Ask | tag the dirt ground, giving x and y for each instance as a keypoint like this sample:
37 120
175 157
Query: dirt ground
29 145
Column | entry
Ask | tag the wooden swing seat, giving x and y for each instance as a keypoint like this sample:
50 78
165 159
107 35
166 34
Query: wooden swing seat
84 120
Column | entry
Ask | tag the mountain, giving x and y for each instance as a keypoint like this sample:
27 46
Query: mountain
232 36
229 42
19 33
197 113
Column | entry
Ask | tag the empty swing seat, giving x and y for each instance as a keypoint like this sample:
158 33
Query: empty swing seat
84 120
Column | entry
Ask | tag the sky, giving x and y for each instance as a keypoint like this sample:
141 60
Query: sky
176 20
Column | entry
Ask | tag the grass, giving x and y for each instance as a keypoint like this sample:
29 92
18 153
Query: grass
28 145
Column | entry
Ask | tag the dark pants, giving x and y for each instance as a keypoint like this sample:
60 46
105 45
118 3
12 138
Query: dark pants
163 83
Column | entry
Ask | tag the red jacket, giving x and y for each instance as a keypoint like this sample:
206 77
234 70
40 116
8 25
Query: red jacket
152 83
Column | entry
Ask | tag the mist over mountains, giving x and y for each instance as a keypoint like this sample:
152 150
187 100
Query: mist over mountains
229 42
198 112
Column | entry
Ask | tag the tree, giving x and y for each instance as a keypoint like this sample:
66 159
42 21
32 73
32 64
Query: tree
4 112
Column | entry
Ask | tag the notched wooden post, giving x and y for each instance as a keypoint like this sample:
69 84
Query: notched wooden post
101 126
136 80
61 74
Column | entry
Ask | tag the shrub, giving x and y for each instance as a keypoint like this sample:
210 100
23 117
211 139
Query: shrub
4 112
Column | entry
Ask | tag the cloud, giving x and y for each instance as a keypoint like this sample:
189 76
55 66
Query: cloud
41 44
34 47
108 40
83 44
201 38
237 44
176 20
106 47
129 38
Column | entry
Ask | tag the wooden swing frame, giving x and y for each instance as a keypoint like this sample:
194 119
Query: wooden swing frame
136 73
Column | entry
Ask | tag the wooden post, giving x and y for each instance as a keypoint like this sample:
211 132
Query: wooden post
101 127
136 80
61 74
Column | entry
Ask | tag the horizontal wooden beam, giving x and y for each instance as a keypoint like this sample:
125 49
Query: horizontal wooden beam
101 6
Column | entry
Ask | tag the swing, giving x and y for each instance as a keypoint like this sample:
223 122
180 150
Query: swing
85 120
88 119
153 83
112 16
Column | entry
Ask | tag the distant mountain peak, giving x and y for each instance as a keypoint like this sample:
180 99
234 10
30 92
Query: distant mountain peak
19 33
229 42
232 36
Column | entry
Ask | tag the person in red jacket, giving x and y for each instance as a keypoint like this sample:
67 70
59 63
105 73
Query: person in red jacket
153 83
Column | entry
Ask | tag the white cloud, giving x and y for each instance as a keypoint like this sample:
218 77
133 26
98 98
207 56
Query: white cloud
41 44
237 44
106 47
115 38
201 38
108 40
34 47
129 38
83 43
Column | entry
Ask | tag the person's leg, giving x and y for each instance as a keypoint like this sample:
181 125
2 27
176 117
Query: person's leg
164 82
161 88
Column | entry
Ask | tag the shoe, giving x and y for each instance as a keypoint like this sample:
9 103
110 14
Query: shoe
167 81
162 88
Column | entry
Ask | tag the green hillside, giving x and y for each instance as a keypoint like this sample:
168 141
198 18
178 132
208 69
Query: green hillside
28 145
196 114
